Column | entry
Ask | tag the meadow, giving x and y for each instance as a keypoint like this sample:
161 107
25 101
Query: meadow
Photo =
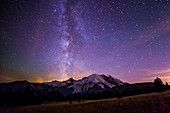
158 102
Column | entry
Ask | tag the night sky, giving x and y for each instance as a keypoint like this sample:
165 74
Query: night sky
45 40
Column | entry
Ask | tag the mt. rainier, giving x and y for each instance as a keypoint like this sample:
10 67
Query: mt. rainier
91 84
95 81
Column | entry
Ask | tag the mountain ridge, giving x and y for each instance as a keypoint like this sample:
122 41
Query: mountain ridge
71 86
93 86
85 83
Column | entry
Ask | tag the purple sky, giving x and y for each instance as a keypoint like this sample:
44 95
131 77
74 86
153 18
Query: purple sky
45 40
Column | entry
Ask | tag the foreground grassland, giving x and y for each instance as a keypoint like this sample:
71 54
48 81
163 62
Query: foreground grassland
145 103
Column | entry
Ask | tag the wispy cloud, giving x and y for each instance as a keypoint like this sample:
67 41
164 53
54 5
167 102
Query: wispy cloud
164 74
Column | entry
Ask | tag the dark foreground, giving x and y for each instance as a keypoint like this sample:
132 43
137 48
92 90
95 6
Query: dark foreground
145 103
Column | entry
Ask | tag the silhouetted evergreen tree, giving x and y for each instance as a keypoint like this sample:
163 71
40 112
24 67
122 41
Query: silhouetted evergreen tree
158 85
167 86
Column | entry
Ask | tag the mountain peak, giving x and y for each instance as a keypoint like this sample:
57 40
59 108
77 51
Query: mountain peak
95 80
90 82
70 79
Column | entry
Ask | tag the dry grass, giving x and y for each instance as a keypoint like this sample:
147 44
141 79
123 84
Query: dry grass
146 103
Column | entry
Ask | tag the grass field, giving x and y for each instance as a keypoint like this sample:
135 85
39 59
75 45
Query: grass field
145 103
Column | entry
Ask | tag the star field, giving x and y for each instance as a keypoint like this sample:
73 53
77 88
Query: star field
56 39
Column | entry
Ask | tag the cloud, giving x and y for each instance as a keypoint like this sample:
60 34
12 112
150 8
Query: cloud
164 74
161 72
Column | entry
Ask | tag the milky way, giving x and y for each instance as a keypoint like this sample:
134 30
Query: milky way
56 39
69 27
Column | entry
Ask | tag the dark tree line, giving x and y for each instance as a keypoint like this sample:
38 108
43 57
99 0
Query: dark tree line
159 86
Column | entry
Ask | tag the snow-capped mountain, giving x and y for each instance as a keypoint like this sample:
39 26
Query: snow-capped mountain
95 81
55 83
92 87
